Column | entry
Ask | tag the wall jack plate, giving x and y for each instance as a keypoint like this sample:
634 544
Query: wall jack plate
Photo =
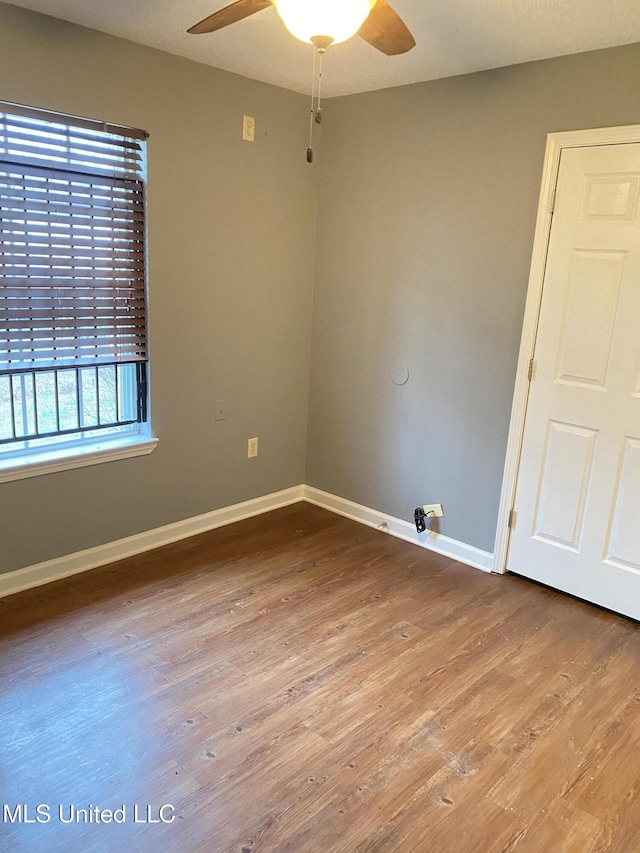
425 513
433 510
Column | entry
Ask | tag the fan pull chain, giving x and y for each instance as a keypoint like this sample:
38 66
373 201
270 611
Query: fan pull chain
318 115
320 47
313 107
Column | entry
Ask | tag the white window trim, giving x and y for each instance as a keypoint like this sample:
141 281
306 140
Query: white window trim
34 463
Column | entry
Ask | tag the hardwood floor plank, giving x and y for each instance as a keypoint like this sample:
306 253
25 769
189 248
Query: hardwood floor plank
607 779
561 826
370 798
484 827
459 784
556 761
621 829
544 689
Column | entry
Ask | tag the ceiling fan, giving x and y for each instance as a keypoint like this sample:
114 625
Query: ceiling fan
324 22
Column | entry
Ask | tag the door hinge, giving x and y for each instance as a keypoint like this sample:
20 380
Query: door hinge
532 367
553 201
512 519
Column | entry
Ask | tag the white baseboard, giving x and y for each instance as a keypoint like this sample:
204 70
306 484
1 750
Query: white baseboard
82 561
459 551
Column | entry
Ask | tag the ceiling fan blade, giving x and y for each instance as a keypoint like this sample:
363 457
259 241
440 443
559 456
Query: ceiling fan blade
385 30
229 15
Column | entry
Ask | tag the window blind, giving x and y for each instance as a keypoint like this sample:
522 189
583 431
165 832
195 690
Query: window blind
72 242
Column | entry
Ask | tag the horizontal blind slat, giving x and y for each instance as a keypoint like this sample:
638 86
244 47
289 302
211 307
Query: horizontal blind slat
65 196
13 207
48 182
77 223
20 267
60 328
16 146
52 322
119 332
86 296
73 167
60 287
56 245
60 254
106 345
56 175
16 210
20 129
90 138
92 126
90 311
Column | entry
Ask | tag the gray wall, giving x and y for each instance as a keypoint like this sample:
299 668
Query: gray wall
231 240
427 210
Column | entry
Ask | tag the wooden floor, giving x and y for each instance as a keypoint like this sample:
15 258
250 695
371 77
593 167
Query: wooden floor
300 682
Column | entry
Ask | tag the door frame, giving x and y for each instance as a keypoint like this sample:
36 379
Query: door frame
556 143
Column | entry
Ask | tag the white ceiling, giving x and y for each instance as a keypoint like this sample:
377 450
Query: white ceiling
453 37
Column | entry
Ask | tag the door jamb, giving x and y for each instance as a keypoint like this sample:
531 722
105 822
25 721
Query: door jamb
556 142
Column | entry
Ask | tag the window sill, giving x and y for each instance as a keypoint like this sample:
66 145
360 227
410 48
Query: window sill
35 464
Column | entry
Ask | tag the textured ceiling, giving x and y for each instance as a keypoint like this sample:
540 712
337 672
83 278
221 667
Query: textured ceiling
453 37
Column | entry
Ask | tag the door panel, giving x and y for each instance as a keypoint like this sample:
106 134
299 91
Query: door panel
578 491
610 197
592 301
624 542
566 471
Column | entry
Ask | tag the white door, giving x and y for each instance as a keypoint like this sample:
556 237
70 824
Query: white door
576 525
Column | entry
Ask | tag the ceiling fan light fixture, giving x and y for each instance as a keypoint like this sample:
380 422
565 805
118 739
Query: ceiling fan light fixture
336 19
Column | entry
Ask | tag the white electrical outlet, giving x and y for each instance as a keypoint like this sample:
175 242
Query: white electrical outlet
252 448
248 128
433 510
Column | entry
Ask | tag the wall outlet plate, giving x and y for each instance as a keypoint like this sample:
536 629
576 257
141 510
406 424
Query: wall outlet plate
433 510
248 128
252 448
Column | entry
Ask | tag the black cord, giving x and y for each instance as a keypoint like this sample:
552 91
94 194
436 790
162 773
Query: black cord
419 517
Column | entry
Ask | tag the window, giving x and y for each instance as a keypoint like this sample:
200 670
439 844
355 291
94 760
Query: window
73 314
